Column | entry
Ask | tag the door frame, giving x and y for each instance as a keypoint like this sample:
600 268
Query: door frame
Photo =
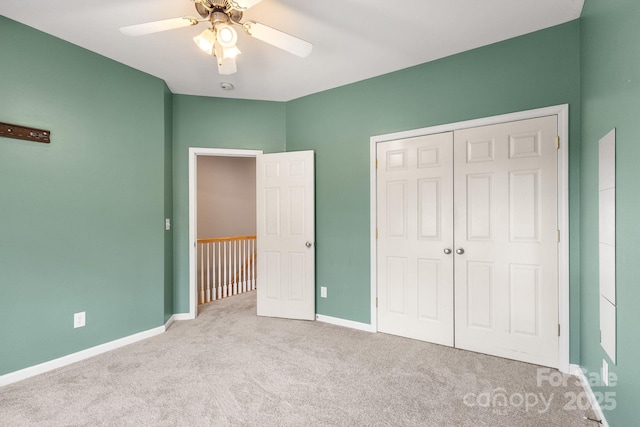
194 152
562 111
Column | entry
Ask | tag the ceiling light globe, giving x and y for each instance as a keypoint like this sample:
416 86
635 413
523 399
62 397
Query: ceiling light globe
226 35
205 41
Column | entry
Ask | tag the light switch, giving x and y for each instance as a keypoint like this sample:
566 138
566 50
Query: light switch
167 224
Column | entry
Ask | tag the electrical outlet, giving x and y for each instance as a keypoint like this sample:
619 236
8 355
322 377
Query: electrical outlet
605 372
79 319
323 291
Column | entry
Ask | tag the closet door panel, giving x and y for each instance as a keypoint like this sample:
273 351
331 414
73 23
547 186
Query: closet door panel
415 226
506 285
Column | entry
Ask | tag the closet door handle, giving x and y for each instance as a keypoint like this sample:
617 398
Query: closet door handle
460 251
447 251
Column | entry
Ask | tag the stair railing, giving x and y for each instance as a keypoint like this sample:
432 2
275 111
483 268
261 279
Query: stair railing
226 266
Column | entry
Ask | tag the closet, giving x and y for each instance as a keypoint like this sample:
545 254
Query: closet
468 239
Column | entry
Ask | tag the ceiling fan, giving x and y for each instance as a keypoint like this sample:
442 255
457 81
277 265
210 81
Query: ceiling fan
220 39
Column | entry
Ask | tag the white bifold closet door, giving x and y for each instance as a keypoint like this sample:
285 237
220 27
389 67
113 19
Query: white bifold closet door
467 248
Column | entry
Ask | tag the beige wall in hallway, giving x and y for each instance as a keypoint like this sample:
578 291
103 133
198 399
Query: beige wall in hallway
226 196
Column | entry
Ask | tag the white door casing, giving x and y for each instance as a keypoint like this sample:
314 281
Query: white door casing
415 232
506 278
285 235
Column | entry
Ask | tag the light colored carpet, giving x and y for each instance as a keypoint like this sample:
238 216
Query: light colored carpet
231 368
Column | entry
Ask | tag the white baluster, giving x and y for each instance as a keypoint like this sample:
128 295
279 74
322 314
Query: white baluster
235 267
243 273
224 269
201 284
246 274
214 267
219 271
208 291
241 265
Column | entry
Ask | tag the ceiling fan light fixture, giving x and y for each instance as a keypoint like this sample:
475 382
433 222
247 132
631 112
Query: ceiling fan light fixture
226 35
206 41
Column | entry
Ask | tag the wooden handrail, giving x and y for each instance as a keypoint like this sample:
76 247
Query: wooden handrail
226 239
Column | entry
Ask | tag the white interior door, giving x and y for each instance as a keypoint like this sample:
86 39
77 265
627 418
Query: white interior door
285 235
415 237
506 262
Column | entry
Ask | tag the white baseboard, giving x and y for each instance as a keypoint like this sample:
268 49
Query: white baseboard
31 371
177 317
346 323
577 371
182 316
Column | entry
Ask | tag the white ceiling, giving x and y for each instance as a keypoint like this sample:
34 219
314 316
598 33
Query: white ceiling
353 39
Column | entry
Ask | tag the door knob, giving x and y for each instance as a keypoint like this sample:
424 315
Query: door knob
308 244
459 251
447 251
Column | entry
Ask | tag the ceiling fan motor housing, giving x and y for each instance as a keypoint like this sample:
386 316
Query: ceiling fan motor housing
218 11
218 17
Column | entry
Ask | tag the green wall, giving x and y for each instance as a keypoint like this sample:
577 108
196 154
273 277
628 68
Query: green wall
81 219
611 99
536 70
213 123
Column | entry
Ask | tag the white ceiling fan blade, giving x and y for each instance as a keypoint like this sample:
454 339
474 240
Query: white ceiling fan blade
157 26
243 4
277 38
227 66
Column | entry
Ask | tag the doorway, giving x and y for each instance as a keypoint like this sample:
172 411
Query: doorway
286 226
226 226
458 312
194 153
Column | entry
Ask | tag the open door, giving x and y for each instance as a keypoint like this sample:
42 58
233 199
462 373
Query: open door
286 235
